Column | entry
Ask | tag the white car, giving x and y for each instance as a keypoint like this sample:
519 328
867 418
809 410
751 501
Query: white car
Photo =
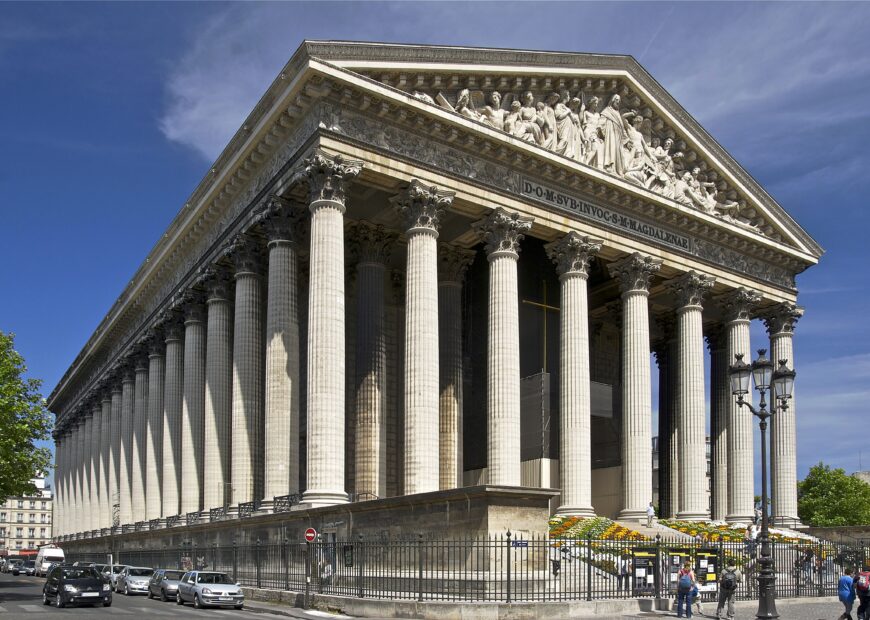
209 588
133 580
112 572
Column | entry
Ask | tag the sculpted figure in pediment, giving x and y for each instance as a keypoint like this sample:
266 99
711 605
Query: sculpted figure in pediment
465 107
532 122
548 113
664 178
590 118
493 114
566 129
685 193
423 97
614 133
639 160
576 107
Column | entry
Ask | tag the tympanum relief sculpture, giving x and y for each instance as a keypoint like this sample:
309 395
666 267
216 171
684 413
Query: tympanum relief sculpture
611 138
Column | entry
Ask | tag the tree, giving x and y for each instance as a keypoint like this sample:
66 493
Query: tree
830 497
24 420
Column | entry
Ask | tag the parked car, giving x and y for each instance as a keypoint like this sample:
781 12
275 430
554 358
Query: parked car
67 584
29 568
113 572
209 588
164 583
133 579
14 567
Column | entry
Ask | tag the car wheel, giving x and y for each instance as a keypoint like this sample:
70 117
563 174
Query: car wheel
107 603
58 601
196 602
150 594
178 599
239 606
45 599
163 595
127 589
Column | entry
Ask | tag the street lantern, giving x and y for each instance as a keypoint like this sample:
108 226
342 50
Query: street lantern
762 370
739 374
783 381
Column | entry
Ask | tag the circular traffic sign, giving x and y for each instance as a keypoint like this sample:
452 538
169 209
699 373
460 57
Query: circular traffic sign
310 534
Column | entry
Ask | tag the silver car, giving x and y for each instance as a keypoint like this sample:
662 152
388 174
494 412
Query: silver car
209 588
112 573
133 579
164 584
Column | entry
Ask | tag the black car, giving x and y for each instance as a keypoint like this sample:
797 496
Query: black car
67 584
29 568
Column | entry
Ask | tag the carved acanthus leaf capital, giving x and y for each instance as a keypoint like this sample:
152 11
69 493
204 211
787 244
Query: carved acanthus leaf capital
397 280
738 305
453 261
421 206
782 318
573 253
715 337
280 219
328 176
690 288
502 231
216 282
635 272
370 243
245 255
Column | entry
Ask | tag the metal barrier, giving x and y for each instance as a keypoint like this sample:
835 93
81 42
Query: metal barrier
504 568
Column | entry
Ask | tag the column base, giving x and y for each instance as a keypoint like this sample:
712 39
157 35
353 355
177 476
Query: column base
316 499
569 511
693 516
738 518
632 514
791 523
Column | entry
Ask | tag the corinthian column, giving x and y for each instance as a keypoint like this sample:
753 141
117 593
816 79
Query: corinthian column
115 454
502 231
737 307
218 392
173 395
421 208
327 177
105 459
78 524
690 289
780 322
720 401
125 475
140 443
572 255
93 465
154 430
635 273
282 351
452 263
372 246
193 406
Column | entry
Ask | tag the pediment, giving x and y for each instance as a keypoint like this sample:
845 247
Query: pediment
600 112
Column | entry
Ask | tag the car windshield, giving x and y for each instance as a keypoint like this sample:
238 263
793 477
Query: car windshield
140 572
118 569
219 578
173 575
30 563
80 572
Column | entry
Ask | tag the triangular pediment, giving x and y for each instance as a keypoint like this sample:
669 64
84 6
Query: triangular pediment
601 112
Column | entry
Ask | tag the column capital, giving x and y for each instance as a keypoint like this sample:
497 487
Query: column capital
715 338
667 324
690 288
573 254
244 254
215 280
421 207
453 261
782 318
327 177
502 232
635 272
279 218
737 305
370 243
397 281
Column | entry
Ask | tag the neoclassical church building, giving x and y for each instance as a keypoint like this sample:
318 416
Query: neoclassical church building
415 269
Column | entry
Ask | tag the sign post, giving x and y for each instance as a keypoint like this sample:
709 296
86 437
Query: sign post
310 535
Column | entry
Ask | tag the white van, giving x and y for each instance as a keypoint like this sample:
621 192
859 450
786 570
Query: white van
46 557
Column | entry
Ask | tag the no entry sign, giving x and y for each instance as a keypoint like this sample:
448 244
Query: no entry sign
310 534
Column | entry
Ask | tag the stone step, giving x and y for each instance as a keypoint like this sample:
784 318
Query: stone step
657 529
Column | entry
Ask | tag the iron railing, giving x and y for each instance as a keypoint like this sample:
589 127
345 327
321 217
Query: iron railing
504 568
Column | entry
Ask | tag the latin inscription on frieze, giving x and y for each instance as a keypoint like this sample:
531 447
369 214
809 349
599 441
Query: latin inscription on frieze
605 215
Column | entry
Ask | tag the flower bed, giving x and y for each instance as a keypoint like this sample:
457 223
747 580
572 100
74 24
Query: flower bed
597 528
716 531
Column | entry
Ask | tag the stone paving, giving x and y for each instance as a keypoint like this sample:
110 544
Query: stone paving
826 608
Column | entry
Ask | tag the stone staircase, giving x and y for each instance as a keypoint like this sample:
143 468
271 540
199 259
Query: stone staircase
657 529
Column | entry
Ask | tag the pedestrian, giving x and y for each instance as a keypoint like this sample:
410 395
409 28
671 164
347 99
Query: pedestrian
325 572
623 576
809 564
749 541
846 594
555 559
757 515
696 600
728 582
862 591
650 514
685 582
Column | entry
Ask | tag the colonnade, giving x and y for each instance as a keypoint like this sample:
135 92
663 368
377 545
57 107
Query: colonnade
204 411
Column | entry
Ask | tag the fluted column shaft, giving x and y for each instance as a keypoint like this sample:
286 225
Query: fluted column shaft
93 457
105 461
503 233
173 396
326 324
125 475
115 456
720 402
783 440
247 413
140 443
218 396
61 469
572 255
635 273
154 431
193 411
694 502
282 354
78 450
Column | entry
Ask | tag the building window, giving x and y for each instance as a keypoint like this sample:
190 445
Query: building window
32 518
21 503
45 505
20 517
32 504
19 532
42 532
2 532
2 517
43 517
31 532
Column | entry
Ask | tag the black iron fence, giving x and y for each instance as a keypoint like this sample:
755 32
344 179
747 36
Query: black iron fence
504 568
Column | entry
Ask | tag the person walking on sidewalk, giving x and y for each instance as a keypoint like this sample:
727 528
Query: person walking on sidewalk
685 583
650 514
846 594
728 582
862 591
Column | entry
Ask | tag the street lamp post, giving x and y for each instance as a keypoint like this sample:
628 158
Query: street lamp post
780 383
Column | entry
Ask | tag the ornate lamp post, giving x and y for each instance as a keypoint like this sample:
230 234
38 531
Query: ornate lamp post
780 383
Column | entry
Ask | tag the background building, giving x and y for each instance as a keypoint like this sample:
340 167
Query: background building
25 522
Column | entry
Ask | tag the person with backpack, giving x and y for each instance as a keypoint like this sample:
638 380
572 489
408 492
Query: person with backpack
862 591
623 577
685 584
728 582
846 594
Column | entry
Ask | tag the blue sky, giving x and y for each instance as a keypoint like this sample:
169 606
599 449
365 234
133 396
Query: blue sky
111 113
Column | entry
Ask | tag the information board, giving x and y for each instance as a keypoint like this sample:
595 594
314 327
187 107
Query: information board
643 577
707 569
